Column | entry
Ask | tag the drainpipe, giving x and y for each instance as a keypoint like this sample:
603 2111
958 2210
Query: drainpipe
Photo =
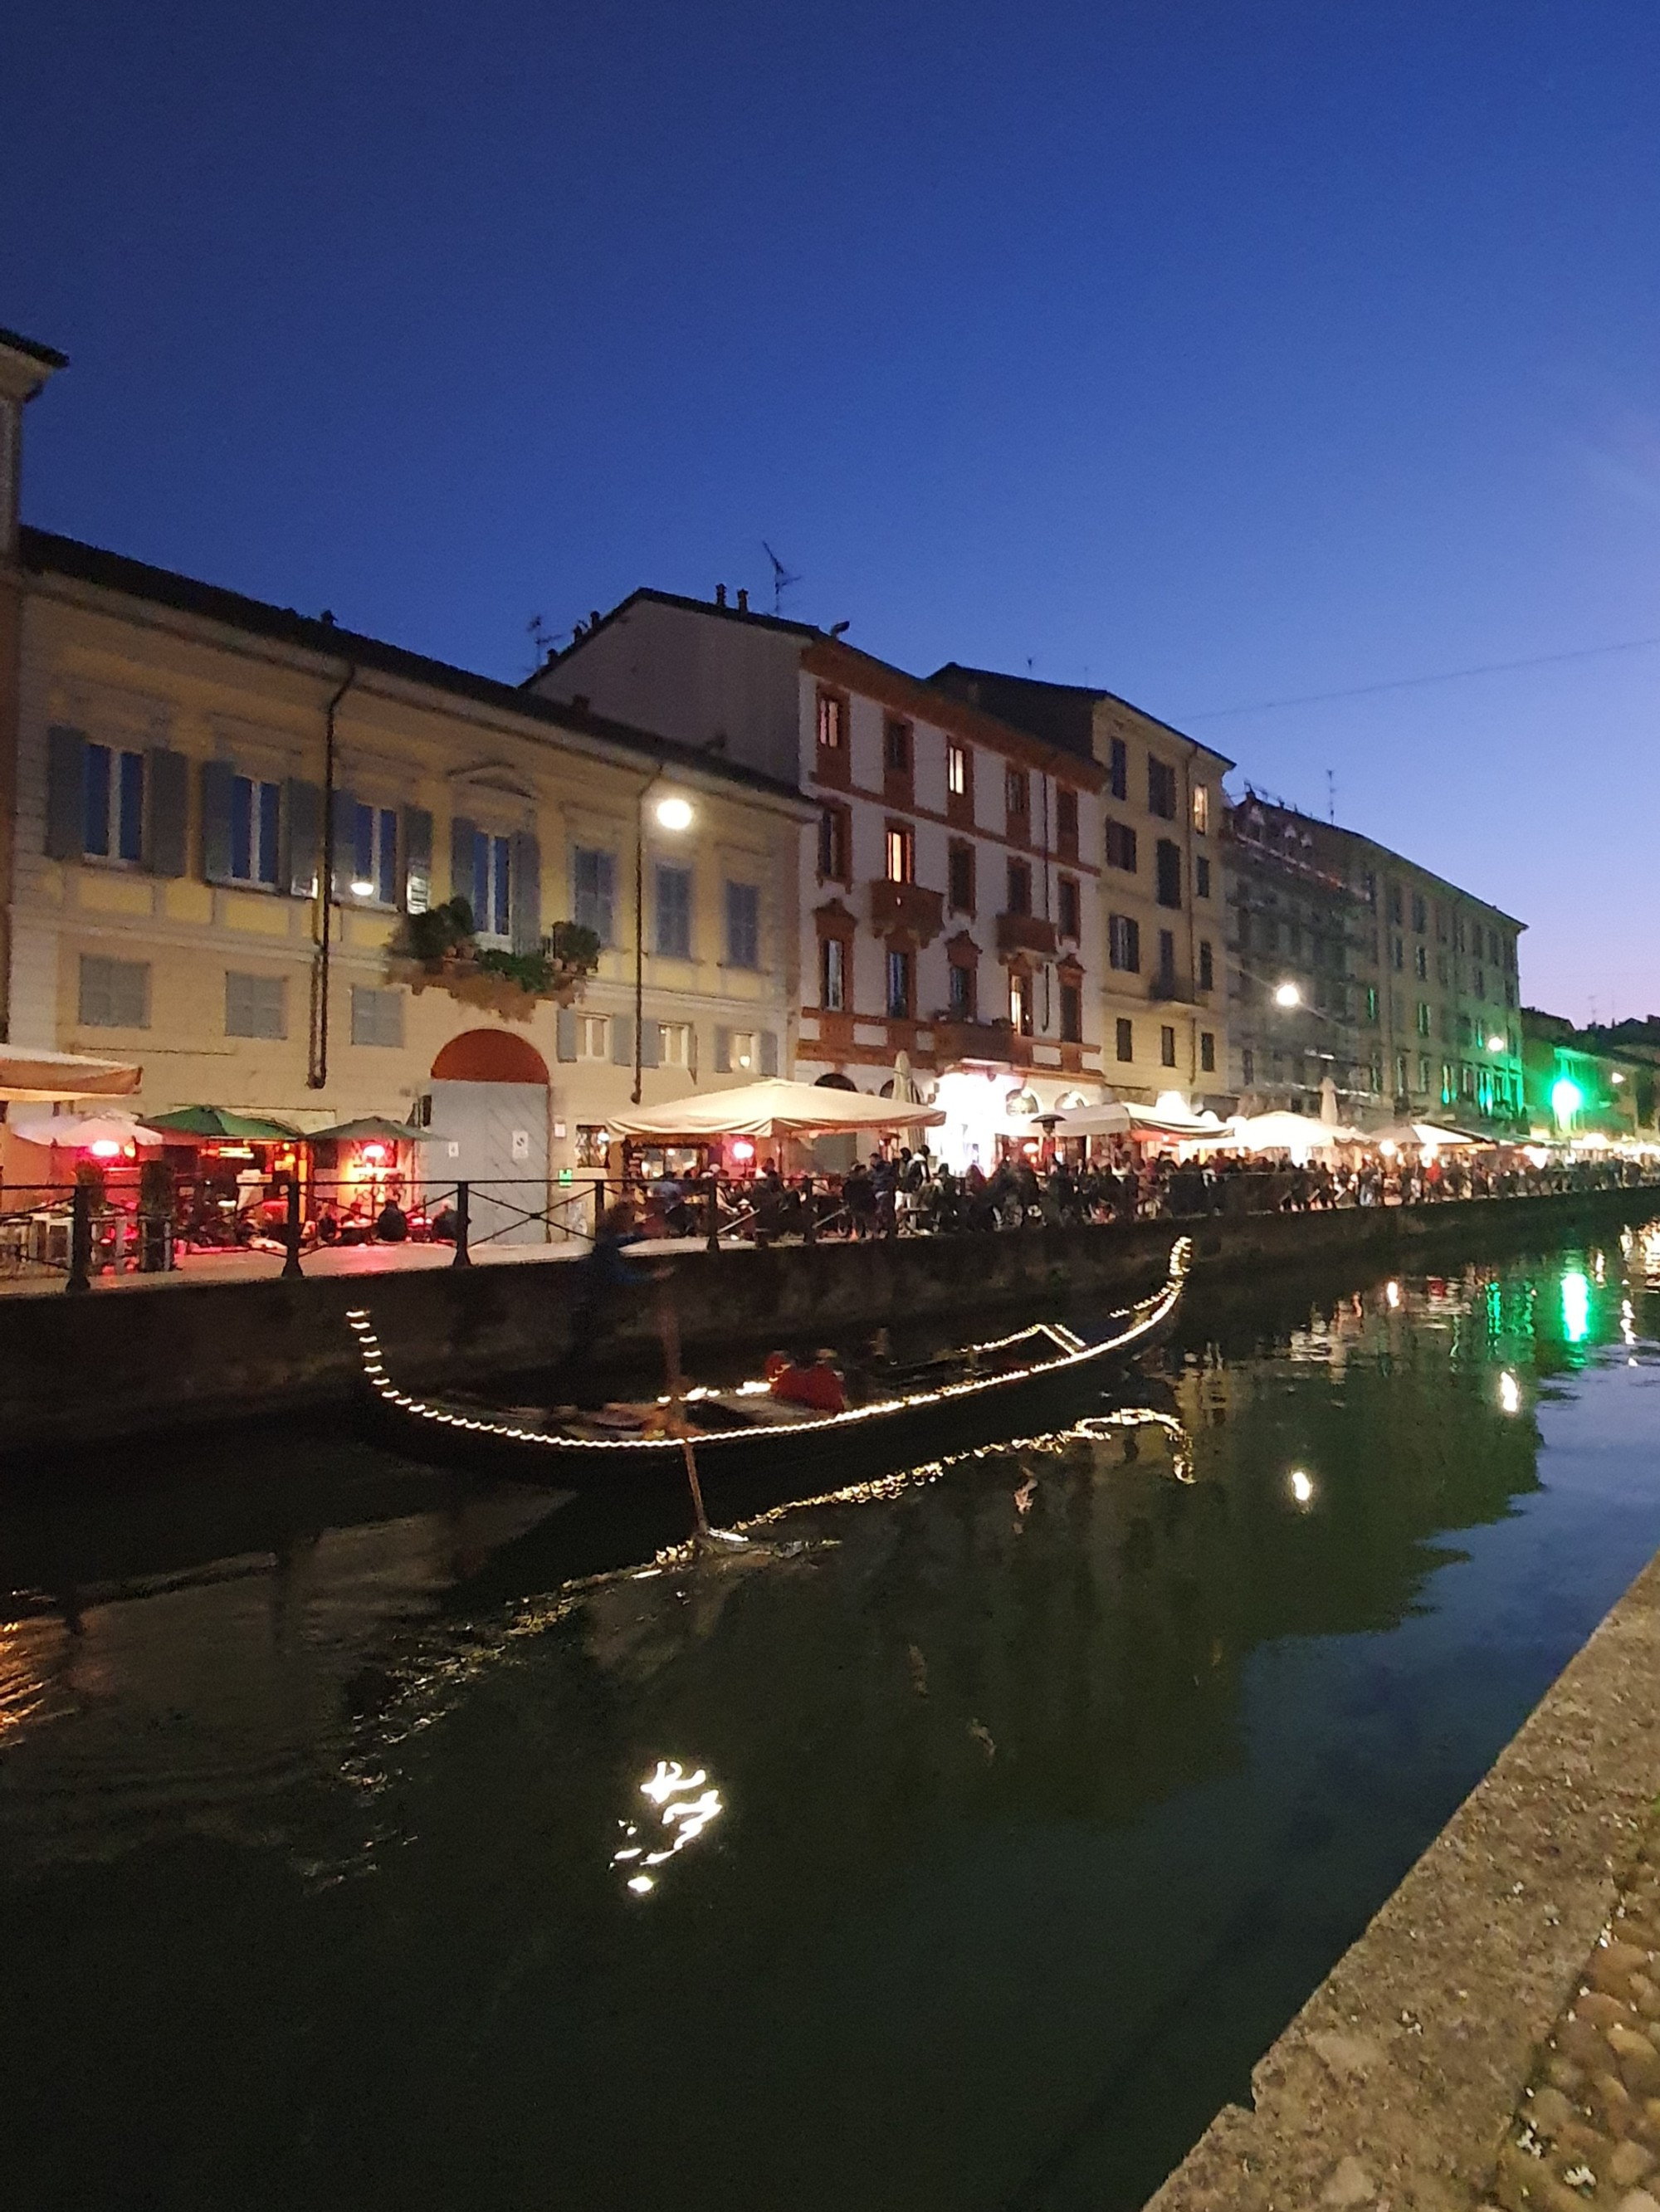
317 1073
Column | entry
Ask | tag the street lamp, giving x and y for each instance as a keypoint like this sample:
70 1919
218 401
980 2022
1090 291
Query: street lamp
1288 995
1495 1042
674 815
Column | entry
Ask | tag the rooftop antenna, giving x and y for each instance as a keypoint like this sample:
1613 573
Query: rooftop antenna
781 578
541 637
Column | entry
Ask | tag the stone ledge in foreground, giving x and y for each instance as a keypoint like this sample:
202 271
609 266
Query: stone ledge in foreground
1394 2087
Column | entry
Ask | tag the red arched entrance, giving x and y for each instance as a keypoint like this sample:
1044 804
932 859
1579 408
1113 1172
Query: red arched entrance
489 1056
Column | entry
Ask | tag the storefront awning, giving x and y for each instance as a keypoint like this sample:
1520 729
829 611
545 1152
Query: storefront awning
44 1079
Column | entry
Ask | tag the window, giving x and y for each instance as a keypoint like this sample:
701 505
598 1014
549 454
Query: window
1020 1004
1161 788
114 827
674 913
1124 943
959 875
832 722
1372 1003
1167 960
1124 1039
1448 1082
1492 947
1207 1052
492 885
1400 1073
833 975
1423 1018
1202 809
1016 795
1167 873
1118 767
1480 984
594 877
1397 953
1166 1046
1420 962
256 814
593 1144
1067 903
674 1044
1019 897
1421 920
833 845
256 1006
896 748
899 986
1066 821
1369 892
1121 847
742 1052
375 853
901 855
962 990
377 1017
1423 1071
1072 1014
1207 965
956 770
1247 1066
1201 877
115 994
742 925
593 1036
1397 907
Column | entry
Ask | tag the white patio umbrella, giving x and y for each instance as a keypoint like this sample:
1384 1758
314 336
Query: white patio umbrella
1299 1135
78 1131
771 1108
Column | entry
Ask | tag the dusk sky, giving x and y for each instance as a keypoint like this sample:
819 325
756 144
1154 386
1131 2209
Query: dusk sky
1220 352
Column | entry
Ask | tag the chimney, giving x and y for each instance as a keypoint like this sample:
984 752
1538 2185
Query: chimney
743 600
24 368
719 595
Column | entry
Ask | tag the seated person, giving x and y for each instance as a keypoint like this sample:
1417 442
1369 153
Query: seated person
819 1386
445 1224
391 1224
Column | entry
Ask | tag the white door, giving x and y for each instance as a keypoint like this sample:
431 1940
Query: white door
494 1137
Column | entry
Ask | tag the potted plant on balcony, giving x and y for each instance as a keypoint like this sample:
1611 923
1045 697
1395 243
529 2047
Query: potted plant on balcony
440 947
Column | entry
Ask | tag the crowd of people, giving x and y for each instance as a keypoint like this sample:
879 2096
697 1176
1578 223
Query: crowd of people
906 1192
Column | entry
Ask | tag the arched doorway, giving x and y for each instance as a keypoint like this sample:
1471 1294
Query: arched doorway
489 1123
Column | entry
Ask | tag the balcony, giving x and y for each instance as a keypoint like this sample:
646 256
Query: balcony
962 1040
910 908
1172 987
1027 933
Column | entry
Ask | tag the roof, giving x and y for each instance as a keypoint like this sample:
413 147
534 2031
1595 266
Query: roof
1061 713
1337 830
48 356
44 553
748 615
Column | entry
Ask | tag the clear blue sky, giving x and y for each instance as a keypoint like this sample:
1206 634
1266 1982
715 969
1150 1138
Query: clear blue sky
1220 351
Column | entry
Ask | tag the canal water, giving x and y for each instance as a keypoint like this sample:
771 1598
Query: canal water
370 1838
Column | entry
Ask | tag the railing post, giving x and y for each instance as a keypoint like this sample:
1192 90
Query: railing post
461 1257
599 1203
79 1275
291 1267
712 1242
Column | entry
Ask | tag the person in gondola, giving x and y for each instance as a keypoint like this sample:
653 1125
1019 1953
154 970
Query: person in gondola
819 1386
609 1279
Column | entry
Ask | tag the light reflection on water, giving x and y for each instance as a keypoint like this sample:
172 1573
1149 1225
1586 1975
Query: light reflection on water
995 1815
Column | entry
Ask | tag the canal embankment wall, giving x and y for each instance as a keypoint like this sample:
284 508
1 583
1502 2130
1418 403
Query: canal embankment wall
1398 2082
159 1352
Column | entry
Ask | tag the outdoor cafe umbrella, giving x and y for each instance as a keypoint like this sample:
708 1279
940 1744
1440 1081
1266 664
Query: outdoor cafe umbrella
217 1124
40 1078
772 1107
1280 1132
371 1129
1419 1136
80 1132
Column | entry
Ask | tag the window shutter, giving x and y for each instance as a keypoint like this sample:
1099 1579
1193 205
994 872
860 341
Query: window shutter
691 1050
564 1033
217 777
463 883
621 1040
650 1036
66 793
769 1052
525 885
345 824
166 786
417 860
722 1051
302 821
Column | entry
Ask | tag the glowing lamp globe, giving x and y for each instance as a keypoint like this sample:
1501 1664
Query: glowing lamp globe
1288 995
1565 1099
674 813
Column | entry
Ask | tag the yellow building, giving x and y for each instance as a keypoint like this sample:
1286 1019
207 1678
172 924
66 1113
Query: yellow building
220 814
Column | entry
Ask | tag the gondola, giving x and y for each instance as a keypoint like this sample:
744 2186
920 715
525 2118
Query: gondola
967 1396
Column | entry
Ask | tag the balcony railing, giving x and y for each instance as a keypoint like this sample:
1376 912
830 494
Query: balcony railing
1027 933
957 1039
1173 986
906 906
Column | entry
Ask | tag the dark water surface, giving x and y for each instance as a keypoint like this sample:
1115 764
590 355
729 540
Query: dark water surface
993 1826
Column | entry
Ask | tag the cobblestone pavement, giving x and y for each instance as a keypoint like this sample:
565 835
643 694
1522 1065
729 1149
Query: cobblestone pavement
1588 2130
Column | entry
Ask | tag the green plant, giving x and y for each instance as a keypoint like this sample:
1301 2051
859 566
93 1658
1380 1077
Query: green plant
89 1175
155 1187
431 937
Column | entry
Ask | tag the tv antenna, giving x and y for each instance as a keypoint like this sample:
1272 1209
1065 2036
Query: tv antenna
781 578
542 638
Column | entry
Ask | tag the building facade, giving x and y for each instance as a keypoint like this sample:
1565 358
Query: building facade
1160 989
221 815
949 898
1590 1083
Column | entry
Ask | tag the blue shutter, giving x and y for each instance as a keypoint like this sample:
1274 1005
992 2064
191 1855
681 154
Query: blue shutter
464 866
769 1052
650 1034
417 860
218 778
722 1051
525 882
66 793
621 1040
167 783
564 1033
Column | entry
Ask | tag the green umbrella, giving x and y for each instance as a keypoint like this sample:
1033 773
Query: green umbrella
370 1128
217 1122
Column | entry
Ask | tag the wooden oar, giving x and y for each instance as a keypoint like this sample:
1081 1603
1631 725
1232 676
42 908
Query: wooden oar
668 1324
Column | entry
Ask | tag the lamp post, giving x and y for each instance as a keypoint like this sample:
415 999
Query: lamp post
672 814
